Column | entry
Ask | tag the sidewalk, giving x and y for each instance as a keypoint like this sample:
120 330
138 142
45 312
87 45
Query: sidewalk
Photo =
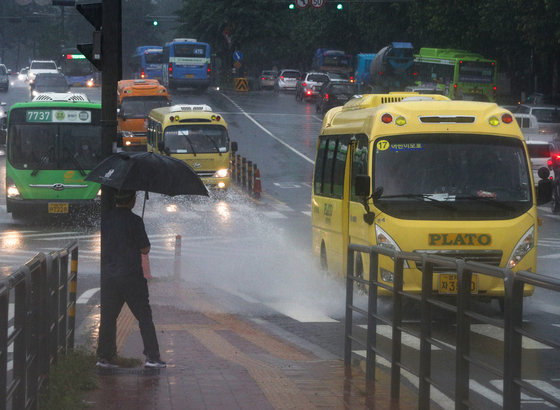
220 361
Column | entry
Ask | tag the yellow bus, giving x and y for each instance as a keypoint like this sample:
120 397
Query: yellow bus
196 135
445 177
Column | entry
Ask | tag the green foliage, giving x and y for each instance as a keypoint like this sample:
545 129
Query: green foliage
69 379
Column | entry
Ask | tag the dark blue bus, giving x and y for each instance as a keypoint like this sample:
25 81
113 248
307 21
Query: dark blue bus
147 62
186 63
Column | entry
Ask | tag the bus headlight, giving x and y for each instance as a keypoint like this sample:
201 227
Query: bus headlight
12 191
384 240
90 82
221 173
522 248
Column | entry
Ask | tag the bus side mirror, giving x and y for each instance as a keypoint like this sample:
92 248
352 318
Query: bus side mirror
234 146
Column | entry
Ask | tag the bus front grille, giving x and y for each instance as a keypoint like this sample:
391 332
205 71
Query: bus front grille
488 257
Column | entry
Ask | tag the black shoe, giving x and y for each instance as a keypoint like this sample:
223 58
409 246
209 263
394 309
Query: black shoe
155 364
106 364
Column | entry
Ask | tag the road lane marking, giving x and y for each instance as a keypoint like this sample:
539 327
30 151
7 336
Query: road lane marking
498 334
311 161
86 296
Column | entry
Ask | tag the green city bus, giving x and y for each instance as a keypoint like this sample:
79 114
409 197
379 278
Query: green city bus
52 143
457 74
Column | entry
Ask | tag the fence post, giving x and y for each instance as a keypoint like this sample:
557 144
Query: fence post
425 366
513 316
257 188
349 303
238 169
397 334
177 262
463 337
371 335
234 168
72 294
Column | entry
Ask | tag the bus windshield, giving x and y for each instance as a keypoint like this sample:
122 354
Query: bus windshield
452 177
140 107
194 139
54 146
153 57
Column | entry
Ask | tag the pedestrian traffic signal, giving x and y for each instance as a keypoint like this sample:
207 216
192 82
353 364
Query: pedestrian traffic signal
339 6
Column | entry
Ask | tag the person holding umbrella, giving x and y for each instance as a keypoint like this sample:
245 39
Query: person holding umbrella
123 242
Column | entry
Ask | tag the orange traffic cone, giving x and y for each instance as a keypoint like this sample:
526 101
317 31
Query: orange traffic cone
257 184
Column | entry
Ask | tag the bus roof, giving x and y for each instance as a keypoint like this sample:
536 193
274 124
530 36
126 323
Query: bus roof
141 87
450 53
418 113
189 112
140 50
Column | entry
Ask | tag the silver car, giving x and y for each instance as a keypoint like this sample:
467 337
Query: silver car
287 80
267 78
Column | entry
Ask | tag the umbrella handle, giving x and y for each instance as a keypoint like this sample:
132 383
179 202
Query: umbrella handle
144 205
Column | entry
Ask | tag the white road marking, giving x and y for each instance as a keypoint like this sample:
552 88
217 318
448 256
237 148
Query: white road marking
498 334
86 296
311 161
406 338
539 384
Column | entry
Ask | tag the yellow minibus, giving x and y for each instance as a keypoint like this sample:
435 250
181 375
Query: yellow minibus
445 177
196 135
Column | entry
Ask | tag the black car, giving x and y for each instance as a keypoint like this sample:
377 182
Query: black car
335 93
49 82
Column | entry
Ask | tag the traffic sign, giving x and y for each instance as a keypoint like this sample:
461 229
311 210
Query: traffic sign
317 3
237 55
302 3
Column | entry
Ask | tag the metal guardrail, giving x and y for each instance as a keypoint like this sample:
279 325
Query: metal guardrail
512 324
43 293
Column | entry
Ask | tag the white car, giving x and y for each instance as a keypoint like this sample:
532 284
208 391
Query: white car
287 80
41 66
540 153
548 116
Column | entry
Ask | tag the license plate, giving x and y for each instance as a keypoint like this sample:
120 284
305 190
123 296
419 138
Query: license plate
448 284
58 207
77 84
190 76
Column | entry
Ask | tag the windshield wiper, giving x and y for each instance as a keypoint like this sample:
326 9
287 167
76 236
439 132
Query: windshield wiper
213 143
190 143
44 160
485 199
429 197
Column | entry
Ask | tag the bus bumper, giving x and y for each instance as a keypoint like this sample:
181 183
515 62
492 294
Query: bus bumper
41 207
217 183
189 83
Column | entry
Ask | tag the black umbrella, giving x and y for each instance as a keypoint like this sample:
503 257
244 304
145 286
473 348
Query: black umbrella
148 171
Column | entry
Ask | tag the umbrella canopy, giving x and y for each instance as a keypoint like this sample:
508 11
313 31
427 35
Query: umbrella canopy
148 171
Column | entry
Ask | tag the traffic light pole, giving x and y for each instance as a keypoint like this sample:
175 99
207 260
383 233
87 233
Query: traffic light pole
111 46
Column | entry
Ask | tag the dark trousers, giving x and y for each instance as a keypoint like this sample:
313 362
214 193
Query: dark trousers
114 293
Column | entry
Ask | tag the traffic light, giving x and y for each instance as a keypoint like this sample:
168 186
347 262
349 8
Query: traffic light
93 12
339 6
291 6
155 23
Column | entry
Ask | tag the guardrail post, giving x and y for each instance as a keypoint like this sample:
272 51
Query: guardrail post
238 169
425 366
463 337
177 261
396 335
371 336
233 167
244 172
349 303
250 177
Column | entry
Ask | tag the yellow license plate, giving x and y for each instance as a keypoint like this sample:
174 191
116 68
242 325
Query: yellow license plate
190 76
58 207
448 284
